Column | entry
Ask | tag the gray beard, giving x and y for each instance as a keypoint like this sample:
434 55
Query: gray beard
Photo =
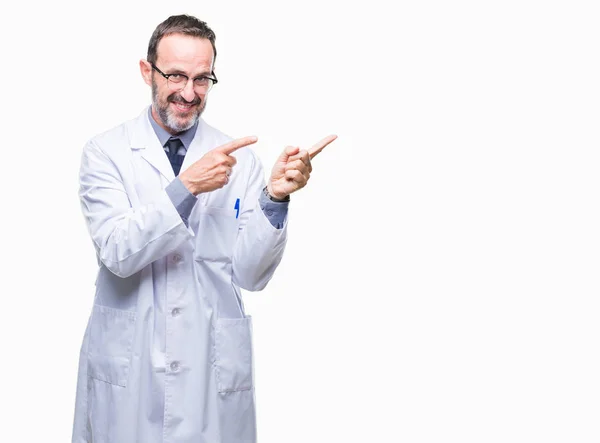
166 114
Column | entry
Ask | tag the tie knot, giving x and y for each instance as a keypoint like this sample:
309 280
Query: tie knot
174 144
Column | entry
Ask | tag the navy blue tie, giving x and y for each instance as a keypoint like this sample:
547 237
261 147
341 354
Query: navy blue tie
173 145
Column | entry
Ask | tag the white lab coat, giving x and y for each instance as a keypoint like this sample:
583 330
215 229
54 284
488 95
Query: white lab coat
167 353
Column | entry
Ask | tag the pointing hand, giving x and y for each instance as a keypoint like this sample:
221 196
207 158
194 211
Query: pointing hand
293 167
212 171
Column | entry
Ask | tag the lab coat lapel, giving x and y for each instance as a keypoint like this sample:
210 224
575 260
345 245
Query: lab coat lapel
144 139
204 141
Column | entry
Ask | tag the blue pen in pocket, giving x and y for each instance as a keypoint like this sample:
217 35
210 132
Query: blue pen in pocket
237 208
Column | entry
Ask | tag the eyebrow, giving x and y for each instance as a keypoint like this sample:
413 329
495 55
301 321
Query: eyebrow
181 72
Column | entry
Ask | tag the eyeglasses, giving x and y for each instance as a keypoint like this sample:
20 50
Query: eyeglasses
177 82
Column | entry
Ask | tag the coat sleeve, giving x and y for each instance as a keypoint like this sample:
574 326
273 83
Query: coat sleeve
259 247
126 238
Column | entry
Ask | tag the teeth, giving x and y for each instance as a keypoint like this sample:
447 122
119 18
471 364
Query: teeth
182 106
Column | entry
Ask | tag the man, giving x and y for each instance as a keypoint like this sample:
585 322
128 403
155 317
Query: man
181 219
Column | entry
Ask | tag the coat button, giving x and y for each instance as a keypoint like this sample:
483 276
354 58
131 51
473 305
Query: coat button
175 312
174 366
177 258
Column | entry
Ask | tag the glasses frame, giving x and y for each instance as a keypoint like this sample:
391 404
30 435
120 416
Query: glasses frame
213 77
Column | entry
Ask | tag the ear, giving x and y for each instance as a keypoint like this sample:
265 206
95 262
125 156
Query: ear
146 70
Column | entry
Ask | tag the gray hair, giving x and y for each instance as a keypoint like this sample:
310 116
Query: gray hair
180 24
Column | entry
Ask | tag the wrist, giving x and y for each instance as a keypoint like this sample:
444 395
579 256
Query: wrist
275 198
189 184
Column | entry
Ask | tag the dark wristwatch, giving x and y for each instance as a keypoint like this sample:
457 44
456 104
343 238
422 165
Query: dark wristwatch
273 199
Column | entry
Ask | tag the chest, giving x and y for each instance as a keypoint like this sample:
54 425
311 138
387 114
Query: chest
215 218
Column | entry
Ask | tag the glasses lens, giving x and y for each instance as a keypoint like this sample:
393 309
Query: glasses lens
203 85
176 82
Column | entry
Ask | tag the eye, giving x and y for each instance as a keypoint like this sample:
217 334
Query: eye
201 81
176 78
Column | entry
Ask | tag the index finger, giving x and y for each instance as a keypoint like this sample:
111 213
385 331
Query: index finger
234 145
318 147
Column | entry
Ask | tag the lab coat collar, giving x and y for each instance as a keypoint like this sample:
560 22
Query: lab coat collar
143 138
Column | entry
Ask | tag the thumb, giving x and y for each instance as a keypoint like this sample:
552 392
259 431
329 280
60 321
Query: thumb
287 153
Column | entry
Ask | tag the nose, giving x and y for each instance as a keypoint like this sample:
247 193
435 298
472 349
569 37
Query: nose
188 91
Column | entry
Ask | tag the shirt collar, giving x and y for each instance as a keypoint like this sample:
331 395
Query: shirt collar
186 137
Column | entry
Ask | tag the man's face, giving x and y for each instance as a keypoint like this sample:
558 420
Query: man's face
177 111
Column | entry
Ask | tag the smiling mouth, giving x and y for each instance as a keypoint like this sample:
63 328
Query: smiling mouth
183 107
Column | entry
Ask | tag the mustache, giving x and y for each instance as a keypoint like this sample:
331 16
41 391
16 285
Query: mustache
176 98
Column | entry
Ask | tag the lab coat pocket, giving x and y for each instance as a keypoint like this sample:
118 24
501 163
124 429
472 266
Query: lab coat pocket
110 346
233 354
217 230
